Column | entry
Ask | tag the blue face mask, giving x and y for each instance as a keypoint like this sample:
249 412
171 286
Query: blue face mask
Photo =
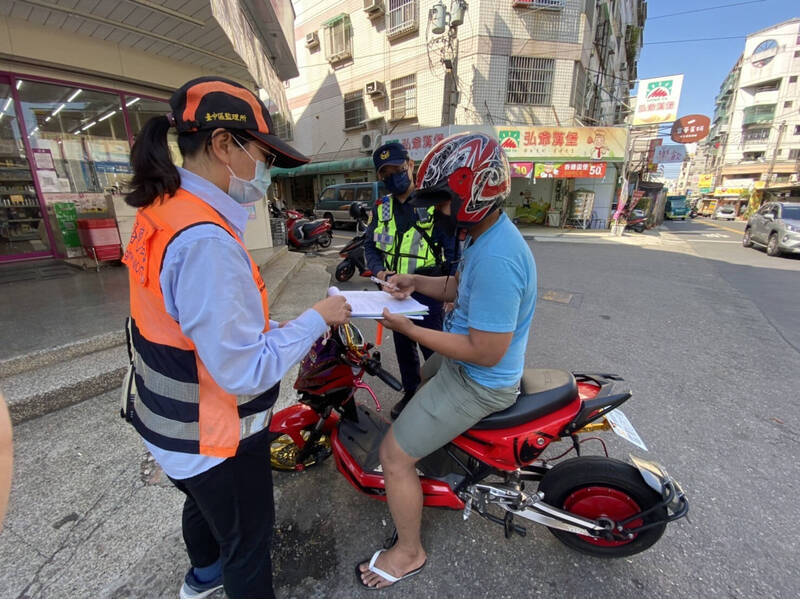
397 183
248 192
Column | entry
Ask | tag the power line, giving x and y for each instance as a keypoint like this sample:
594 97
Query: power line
711 39
687 12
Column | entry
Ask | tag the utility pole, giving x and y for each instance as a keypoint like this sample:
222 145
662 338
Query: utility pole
781 131
450 99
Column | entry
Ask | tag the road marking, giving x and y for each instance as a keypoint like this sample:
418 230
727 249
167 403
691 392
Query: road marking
737 231
716 235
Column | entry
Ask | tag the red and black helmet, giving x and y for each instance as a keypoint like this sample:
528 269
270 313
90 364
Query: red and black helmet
469 169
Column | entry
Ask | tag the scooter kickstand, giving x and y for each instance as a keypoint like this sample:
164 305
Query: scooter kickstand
389 542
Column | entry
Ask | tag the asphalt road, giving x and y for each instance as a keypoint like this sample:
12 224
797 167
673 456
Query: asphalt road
697 329
771 283
688 323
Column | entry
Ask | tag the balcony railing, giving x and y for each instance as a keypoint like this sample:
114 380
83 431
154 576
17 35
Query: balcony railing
760 114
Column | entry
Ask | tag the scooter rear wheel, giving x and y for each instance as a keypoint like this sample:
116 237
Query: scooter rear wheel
325 240
344 271
283 452
601 488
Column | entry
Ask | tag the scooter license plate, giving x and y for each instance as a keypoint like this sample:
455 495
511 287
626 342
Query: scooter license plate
622 426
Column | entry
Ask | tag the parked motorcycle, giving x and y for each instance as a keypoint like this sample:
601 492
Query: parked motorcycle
637 221
304 233
353 253
594 504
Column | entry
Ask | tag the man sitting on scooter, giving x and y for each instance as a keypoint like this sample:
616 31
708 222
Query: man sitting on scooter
404 239
481 352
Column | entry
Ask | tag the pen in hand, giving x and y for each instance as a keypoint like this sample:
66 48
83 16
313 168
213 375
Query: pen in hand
384 283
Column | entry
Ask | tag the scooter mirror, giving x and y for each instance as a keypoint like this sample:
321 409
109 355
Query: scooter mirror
351 337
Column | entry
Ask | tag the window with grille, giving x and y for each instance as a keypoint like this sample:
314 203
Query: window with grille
530 80
354 109
578 89
797 129
794 154
756 135
338 38
404 97
402 17
282 126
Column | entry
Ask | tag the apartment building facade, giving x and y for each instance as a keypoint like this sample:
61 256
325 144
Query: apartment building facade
541 71
754 144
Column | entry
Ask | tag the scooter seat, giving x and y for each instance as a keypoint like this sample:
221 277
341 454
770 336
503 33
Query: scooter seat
308 227
542 391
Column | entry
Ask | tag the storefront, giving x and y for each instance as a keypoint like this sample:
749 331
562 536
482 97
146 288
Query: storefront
72 102
64 157
564 176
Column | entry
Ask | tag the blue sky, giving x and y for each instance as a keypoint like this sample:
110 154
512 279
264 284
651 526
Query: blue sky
705 63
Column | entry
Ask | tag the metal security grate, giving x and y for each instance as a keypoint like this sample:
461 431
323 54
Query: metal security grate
402 17
404 97
530 80
353 109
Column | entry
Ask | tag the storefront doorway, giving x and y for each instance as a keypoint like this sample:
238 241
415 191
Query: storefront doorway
23 231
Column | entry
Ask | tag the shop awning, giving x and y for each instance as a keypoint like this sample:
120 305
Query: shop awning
321 168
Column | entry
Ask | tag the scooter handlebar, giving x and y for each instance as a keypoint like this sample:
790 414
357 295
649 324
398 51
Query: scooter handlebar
389 379
373 367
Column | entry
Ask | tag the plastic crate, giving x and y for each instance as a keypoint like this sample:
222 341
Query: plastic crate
278 228
100 238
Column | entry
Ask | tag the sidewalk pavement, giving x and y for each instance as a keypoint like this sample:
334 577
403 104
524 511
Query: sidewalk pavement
63 337
542 233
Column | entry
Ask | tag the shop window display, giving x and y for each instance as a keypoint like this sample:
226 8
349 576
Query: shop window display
80 150
22 228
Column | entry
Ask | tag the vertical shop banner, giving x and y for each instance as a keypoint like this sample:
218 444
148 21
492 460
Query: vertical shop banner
705 182
657 100
669 154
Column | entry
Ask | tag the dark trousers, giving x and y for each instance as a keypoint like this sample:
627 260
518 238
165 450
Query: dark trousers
406 349
229 513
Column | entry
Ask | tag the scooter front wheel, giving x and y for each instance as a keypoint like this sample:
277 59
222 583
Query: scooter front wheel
344 271
603 488
283 452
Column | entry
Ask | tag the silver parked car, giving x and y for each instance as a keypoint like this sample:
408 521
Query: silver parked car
724 213
776 225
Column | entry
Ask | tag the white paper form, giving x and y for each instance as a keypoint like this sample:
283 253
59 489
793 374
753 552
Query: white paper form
370 304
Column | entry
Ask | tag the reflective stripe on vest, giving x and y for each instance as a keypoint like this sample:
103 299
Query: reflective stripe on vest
413 251
178 406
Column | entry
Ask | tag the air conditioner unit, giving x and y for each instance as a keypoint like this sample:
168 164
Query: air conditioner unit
376 89
370 140
312 39
373 7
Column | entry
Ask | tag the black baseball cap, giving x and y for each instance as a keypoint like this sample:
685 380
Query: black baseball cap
213 102
393 154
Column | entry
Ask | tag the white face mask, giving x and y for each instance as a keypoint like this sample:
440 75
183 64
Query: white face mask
247 192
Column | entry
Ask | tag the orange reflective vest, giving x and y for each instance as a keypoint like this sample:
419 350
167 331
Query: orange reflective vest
176 403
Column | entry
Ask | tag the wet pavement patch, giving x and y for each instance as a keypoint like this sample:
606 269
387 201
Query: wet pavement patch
301 552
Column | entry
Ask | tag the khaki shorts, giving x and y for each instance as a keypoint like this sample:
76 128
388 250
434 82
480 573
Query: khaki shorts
446 405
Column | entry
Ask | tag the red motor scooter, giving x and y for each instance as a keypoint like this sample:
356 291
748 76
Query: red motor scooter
304 233
594 504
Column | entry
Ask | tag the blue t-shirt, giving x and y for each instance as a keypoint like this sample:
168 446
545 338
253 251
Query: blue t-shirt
497 294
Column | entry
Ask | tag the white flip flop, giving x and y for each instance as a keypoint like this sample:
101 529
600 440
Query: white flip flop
385 575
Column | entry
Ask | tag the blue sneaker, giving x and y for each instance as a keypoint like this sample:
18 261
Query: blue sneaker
194 589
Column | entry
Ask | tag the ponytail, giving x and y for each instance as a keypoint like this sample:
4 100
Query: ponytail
154 174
